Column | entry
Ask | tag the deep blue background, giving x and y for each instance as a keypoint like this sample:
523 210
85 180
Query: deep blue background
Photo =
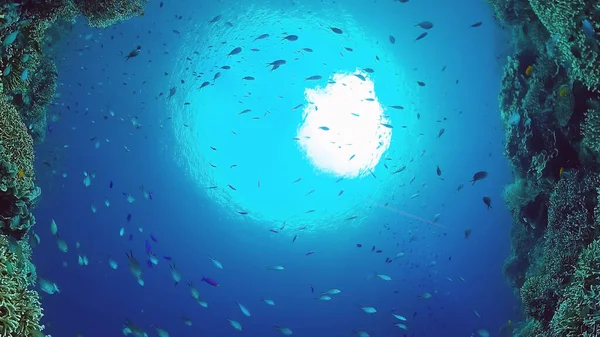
96 300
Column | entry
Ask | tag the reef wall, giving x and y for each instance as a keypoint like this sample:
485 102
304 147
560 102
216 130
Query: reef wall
550 107
28 80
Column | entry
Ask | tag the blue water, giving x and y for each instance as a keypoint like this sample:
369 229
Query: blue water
169 155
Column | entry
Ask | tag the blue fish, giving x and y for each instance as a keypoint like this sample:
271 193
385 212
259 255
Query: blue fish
147 247
129 217
588 29
168 258
110 185
130 237
153 238
149 263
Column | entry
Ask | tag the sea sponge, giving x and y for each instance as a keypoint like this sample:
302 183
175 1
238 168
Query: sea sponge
20 309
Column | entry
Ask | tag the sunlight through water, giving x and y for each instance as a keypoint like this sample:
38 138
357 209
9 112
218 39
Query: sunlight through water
251 139
343 130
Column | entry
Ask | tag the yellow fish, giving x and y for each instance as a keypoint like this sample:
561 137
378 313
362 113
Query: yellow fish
21 173
562 92
560 172
528 70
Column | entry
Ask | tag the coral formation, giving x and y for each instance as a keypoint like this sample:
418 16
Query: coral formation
20 310
565 20
549 104
28 82
104 13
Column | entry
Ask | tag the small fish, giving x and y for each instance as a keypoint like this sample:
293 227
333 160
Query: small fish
368 70
232 187
402 168
235 51
309 253
215 19
204 84
421 84
397 107
476 24
248 78
440 133
276 64
487 201
479 176
389 126
129 217
438 171
210 281
260 37
313 78
425 24
336 30
215 262
392 39
324 128
351 157
291 38
295 237
421 36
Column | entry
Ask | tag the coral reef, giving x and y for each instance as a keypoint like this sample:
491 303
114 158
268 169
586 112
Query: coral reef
550 107
578 313
565 20
104 13
28 81
20 310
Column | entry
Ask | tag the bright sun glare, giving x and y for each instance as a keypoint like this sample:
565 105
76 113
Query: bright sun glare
343 131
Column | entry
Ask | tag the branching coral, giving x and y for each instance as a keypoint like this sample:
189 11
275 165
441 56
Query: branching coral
20 310
32 105
579 312
564 102
104 13
563 19
539 297
590 130
18 145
